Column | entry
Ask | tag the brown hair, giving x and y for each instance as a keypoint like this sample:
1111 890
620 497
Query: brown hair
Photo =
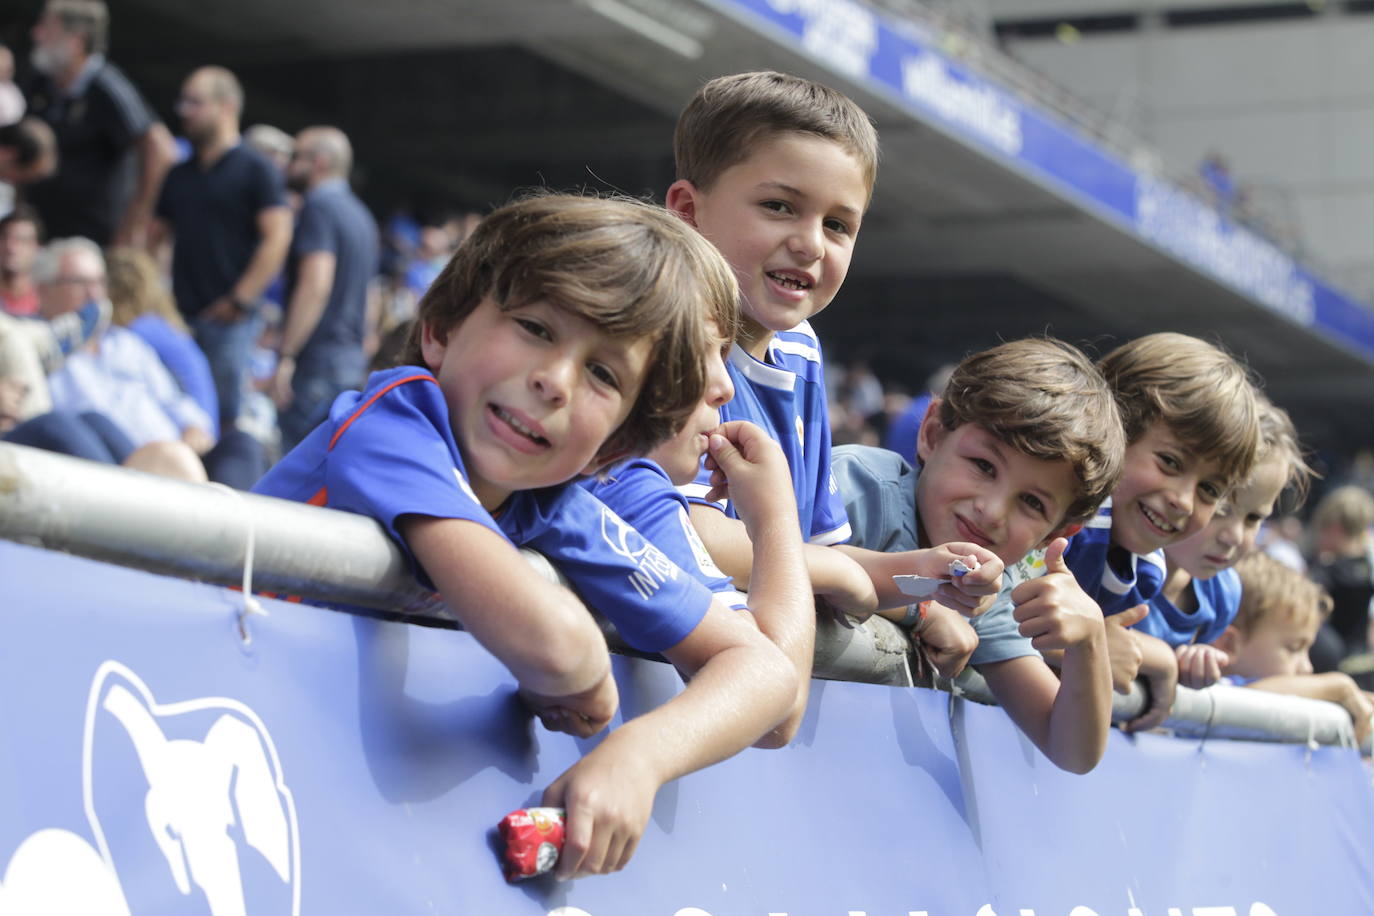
1350 508
631 268
1279 439
1269 588
1045 399
731 115
1198 390
136 288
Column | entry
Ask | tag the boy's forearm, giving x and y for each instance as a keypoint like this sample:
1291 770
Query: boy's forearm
881 567
1081 716
726 541
781 602
1333 686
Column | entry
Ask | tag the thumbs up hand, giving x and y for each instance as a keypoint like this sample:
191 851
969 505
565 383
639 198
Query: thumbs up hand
1052 610
1123 651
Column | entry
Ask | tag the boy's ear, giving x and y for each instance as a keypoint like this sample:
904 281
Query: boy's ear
1063 531
682 200
930 433
432 346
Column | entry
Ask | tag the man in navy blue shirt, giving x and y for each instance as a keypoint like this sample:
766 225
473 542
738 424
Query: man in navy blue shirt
334 256
227 208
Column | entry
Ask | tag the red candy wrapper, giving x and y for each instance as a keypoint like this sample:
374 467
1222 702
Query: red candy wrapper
533 838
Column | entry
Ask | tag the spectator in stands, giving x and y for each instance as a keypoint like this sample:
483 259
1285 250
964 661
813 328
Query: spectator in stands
1019 450
1267 646
275 144
903 428
1192 426
1201 593
567 332
1343 564
334 256
12 104
142 304
227 211
20 232
120 376
98 117
431 253
28 153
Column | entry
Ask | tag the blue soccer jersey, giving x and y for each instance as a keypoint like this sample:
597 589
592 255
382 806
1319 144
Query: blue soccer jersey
1110 574
786 396
1218 600
389 451
640 492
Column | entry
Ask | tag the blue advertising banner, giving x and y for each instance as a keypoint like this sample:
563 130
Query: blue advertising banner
156 763
899 63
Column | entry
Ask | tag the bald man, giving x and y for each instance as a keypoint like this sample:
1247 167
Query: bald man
225 207
334 256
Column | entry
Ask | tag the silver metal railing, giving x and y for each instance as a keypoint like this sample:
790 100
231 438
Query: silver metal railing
201 532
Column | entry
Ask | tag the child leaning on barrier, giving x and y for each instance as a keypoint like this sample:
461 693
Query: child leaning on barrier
777 172
1267 645
1202 591
566 333
1191 418
643 492
1018 450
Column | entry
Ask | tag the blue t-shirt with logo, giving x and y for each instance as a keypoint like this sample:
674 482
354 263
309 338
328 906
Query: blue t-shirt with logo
1111 575
389 451
1218 600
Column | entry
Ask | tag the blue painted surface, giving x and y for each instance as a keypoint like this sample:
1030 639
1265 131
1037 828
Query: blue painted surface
358 767
899 63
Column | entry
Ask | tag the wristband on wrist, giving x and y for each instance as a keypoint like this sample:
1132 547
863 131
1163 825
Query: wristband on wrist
915 616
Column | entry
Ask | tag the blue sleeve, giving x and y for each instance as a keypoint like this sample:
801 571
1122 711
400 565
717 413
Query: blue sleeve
829 522
871 483
314 231
652 602
395 459
644 497
1225 592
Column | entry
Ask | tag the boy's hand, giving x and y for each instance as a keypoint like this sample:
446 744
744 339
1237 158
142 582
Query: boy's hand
608 797
1199 665
964 593
1052 610
946 638
581 714
1123 652
1360 707
749 469
1159 667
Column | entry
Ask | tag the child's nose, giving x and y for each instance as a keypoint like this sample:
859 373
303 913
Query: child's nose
553 380
808 240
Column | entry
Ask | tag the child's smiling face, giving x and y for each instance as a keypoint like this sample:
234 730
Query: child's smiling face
976 488
1166 494
1231 533
533 393
785 219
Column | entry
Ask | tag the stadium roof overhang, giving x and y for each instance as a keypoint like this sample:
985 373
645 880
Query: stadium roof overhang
992 218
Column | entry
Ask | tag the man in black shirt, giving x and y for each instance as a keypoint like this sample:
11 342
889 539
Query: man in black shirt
112 150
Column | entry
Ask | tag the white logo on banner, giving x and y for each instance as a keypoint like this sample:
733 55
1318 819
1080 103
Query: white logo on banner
653 568
980 109
843 33
203 801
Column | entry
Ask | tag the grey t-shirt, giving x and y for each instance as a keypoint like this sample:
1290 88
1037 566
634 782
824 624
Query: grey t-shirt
879 490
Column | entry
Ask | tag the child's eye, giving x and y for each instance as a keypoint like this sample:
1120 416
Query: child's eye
1211 491
837 226
1170 462
533 327
982 464
1034 502
604 375
777 206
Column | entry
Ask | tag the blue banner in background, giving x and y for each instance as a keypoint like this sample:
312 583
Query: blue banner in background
898 61
154 763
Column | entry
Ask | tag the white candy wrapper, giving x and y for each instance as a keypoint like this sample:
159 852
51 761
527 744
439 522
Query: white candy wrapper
924 587
958 567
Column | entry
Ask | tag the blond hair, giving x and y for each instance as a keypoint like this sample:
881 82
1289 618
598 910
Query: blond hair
1198 390
1279 439
1350 508
1270 589
136 288
731 115
630 268
1045 399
